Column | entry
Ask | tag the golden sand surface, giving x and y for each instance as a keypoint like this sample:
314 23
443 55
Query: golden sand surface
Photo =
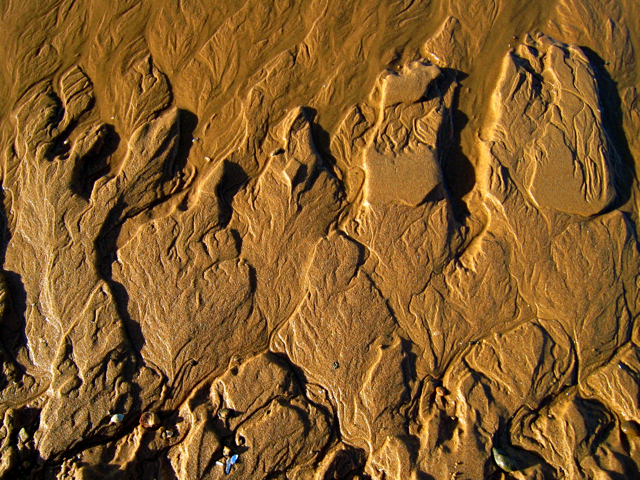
319 239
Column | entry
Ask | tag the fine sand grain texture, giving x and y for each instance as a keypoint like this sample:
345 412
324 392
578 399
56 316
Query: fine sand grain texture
320 240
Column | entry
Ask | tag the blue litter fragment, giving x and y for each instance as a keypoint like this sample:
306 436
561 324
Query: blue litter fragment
230 462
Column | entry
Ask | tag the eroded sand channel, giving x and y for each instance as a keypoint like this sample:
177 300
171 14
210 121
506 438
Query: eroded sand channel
320 240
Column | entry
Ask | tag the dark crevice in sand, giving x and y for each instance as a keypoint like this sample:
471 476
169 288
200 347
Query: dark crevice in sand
458 171
95 164
234 178
625 173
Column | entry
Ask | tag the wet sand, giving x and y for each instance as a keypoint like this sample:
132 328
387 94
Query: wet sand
320 240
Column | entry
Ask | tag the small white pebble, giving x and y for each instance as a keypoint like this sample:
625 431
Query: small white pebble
117 418
208 159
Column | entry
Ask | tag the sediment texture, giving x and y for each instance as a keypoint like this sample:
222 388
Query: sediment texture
320 240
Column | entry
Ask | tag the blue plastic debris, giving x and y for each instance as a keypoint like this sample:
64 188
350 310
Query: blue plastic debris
230 462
